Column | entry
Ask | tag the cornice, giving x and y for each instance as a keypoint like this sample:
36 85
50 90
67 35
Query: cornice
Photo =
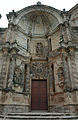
73 8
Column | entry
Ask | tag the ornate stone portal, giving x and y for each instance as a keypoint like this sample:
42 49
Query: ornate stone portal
40 44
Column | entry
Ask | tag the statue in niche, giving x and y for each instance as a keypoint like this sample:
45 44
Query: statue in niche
60 77
39 49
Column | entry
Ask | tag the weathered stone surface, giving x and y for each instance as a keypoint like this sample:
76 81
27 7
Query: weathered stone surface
40 43
39 116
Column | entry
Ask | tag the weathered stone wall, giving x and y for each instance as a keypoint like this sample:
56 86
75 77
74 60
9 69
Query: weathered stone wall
74 16
1 62
55 39
76 60
13 102
39 45
3 32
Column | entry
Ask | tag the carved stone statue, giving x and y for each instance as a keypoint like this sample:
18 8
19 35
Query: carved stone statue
60 77
10 83
39 49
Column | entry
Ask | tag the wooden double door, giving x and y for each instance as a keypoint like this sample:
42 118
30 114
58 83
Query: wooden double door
39 95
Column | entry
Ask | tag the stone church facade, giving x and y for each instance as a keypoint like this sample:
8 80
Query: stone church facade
39 60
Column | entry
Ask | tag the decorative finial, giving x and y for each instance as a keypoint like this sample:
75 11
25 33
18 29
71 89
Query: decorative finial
38 3
64 10
13 11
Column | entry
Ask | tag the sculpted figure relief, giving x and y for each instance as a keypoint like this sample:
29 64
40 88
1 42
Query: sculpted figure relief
39 49
39 69
19 74
60 77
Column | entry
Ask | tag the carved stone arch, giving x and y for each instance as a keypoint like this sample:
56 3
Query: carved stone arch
43 8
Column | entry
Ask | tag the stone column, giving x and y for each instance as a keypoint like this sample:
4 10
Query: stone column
28 45
8 37
49 45
65 32
73 70
5 66
51 78
27 86
25 74
66 73
11 72
68 31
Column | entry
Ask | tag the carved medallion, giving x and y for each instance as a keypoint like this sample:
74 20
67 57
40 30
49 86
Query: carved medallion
39 70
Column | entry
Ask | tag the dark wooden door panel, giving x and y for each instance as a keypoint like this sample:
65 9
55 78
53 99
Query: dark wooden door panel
39 95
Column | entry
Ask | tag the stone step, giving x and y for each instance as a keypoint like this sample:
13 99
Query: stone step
38 116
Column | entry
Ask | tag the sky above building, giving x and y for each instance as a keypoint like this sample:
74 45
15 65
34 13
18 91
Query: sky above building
7 6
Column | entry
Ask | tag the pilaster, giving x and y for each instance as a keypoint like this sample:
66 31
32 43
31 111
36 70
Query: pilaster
28 78
73 69
66 71
51 78
5 67
11 72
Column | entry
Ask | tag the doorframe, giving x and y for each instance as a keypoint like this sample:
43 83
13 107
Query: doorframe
47 93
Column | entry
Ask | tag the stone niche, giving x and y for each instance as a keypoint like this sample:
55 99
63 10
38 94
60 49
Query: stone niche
38 23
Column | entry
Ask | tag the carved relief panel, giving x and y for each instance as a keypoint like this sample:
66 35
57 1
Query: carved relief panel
59 74
39 70
18 77
60 77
